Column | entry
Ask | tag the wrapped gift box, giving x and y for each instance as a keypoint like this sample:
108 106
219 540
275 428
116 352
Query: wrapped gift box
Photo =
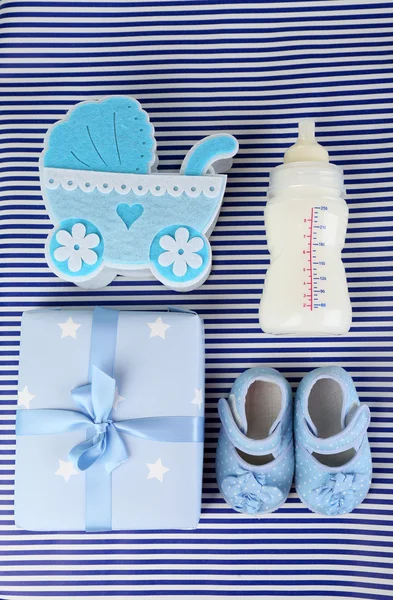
109 420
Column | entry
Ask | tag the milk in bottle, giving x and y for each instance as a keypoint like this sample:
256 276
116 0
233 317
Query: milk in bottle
305 291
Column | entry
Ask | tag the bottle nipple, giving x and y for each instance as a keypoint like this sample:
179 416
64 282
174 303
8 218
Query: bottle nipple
306 147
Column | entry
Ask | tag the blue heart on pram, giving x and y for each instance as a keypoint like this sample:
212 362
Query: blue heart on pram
129 213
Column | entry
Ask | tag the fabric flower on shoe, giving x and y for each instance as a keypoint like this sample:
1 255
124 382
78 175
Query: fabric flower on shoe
249 493
338 492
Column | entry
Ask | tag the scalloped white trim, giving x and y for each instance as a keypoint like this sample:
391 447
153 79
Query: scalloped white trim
155 184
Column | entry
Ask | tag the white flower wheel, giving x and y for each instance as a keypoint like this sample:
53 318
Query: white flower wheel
181 252
76 248
181 257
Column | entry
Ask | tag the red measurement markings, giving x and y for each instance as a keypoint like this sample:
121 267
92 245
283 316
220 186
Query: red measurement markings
308 251
310 257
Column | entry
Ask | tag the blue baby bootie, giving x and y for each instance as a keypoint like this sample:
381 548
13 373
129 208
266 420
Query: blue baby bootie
255 457
333 459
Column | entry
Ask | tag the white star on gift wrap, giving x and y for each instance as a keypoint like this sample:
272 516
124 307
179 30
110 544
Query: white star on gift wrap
158 328
69 328
198 400
24 397
118 399
157 470
66 469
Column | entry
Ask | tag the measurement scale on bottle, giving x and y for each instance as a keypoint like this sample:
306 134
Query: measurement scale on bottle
314 268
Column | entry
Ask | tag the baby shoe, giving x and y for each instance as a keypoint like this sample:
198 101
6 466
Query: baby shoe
255 456
333 459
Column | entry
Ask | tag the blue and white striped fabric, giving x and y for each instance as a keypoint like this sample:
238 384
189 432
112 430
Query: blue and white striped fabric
252 68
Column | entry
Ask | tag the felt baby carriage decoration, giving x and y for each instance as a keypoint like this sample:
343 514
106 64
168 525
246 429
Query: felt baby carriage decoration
114 214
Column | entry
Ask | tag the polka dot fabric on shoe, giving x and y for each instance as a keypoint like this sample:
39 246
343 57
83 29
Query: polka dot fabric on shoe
255 455
333 459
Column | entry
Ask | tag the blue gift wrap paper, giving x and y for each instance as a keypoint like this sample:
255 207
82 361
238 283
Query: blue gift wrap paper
110 420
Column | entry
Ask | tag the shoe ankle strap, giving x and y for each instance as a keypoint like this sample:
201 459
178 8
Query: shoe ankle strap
350 437
274 444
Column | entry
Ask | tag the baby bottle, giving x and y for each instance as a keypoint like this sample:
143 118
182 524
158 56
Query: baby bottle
306 217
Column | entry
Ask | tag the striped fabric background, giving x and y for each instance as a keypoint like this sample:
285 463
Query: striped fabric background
253 69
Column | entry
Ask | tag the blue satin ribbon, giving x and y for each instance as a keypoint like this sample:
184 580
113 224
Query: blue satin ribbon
104 448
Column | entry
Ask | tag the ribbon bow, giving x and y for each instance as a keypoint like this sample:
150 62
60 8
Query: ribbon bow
95 402
104 440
